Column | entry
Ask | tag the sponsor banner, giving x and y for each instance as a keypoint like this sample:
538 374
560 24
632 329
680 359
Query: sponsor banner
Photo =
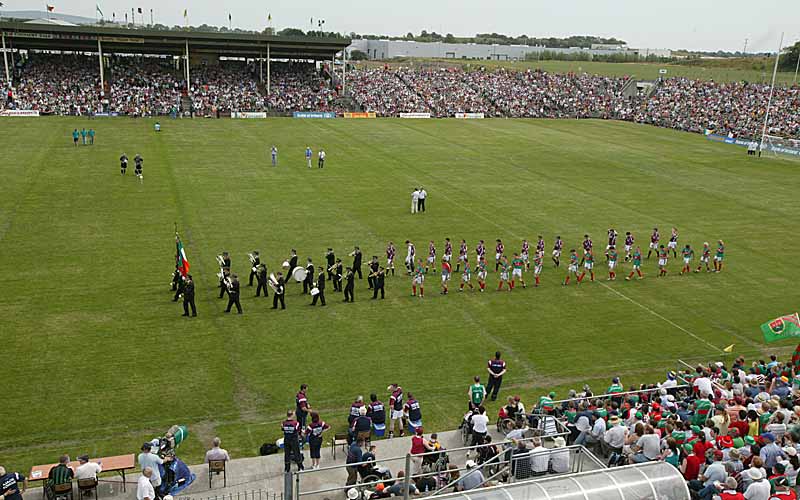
415 115
246 114
19 112
102 115
742 141
359 115
314 114
470 116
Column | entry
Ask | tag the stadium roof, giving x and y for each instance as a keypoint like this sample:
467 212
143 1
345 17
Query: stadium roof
29 36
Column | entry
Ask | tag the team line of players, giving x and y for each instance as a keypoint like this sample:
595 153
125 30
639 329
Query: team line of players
512 270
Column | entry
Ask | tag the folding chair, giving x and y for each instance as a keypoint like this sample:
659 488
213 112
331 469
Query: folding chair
215 467
63 490
339 440
86 486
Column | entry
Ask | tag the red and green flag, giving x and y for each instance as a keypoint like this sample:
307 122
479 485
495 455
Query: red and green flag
180 256
781 328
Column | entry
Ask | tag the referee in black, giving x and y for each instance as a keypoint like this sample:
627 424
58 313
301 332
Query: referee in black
188 296
233 294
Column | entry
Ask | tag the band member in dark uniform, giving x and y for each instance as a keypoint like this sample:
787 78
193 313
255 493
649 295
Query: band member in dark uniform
320 288
177 282
337 276
497 368
225 268
123 163
280 291
180 288
349 277
233 294
255 260
188 296
261 278
373 269
378 278
292 263
356 254
137 167
308 283
291 442
330 259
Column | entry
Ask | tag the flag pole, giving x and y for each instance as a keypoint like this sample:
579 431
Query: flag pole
771 91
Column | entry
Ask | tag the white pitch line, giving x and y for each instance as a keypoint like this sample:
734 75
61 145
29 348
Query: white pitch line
679 327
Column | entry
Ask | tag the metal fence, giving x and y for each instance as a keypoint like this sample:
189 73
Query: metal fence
240 495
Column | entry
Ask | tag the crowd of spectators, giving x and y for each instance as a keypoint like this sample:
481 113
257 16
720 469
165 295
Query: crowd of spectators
139 86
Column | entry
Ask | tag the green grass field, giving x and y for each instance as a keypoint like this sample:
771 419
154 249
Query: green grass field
699 70
98 358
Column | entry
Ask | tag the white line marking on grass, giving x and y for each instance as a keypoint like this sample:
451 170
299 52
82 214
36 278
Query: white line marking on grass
679 327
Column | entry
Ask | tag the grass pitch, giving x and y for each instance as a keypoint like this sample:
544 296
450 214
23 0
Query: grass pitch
98 358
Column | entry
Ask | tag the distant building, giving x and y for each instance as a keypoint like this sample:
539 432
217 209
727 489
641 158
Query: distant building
390 49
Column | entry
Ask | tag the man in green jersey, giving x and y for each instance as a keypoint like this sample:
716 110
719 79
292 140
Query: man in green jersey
476 393
637 264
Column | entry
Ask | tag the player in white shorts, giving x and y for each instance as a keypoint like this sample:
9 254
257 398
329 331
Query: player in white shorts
537 266
672 244
418 280
466 276
572 270
482 273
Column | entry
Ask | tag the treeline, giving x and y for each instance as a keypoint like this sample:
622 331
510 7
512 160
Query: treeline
549 55
582 41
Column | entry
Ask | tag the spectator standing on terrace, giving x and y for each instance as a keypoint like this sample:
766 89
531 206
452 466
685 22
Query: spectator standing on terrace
314 433
476 393
291 442
216 452
9 484
148 459
144 487
354 456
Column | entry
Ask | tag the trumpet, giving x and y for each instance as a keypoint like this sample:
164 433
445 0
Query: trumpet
252 258
273 282
221 260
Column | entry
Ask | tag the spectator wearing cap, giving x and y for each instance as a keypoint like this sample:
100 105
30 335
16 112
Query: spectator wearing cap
149 459
216 452
759 488
792 464
734 462
559 456
770 452
725 443
87 469
614 437
727 490
471 479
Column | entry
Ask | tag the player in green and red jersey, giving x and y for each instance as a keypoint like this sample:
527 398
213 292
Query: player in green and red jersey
537 266
517 265
637 264
504 269
466 276
704 258
688 255
663 258
446 270
573 266
719 257
588 265
482 272
418 280
612 256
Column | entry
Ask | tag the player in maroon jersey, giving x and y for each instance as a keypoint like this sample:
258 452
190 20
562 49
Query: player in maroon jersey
587 246
391 251
628 245
654 238
524 254
448 250
612 240
431 256
462 254
557 247
499 249
480 250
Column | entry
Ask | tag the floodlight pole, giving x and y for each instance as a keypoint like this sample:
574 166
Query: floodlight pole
344 70
261 67
188 87
771 91
796 67
5 60
269 74
102 73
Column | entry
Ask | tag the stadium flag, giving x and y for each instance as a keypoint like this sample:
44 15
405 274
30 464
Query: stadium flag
51 8
98 10
729 348
781 328
229 17
139 10
269 18
180 256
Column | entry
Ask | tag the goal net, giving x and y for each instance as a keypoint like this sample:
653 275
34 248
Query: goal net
781 146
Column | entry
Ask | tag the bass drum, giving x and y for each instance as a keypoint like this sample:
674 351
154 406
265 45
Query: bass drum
299 274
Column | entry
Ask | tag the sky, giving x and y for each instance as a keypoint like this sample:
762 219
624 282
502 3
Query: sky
674 24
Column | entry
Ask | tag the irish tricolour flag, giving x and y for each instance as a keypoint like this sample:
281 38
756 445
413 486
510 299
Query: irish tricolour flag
180 256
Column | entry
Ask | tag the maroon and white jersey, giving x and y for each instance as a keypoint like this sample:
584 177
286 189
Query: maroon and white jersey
499 248
655 237
431 250
448 248
587 244
462 250
674 236
629 240
612 237
558 245
412 251
525 247
480 250
391 251
540 245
